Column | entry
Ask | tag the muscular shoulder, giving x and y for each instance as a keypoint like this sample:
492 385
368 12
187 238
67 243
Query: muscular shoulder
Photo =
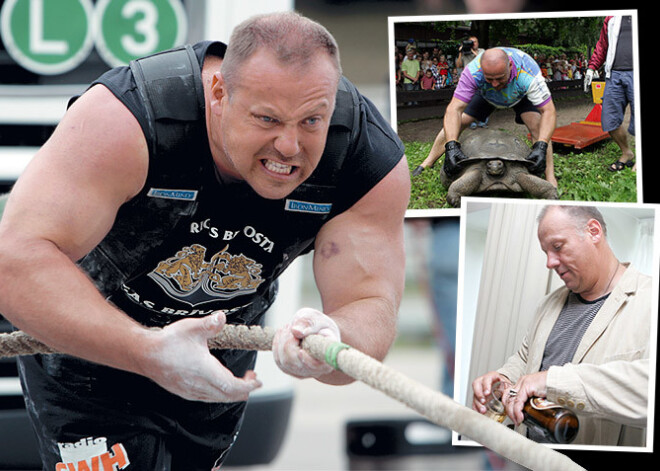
71 190
107 137
388 199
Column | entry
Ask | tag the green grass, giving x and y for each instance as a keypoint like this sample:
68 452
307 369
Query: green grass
581 175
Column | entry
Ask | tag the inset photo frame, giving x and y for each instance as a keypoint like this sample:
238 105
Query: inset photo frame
559 300
533 105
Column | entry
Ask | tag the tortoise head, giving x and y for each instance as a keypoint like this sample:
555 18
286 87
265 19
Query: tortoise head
495 167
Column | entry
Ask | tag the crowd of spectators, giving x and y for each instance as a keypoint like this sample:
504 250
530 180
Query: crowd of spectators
561 67
433 70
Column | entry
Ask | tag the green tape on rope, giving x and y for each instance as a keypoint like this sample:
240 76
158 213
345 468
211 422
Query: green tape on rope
332 351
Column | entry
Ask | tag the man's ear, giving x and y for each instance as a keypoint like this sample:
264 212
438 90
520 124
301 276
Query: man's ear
217 83
218 91
595 230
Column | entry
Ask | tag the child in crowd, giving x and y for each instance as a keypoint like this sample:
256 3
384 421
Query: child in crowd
428 81
443 66
435 70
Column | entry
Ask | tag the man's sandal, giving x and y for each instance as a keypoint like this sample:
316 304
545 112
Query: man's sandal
618 165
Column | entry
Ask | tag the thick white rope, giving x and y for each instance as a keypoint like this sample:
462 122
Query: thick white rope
435 406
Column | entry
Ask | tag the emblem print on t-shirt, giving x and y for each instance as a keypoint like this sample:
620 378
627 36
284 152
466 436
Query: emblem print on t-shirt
92 454
188 277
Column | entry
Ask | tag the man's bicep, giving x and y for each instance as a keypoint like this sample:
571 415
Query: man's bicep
359 253
69 193
547 107
457 105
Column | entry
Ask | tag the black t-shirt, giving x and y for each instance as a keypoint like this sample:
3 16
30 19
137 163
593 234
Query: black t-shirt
187 244
623 59
226 249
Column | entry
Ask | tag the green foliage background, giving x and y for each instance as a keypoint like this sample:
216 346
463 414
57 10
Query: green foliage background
549 36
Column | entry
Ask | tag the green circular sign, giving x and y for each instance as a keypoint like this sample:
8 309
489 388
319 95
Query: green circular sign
47 37
128 29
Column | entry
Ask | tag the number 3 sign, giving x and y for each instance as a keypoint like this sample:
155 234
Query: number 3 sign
53 37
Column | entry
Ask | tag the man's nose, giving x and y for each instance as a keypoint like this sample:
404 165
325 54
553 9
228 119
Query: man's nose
287 142
552 261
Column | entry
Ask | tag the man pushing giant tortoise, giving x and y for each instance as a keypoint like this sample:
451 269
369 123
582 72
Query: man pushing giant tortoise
496 163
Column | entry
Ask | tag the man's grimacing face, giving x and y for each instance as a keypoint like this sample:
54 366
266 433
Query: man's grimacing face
271 130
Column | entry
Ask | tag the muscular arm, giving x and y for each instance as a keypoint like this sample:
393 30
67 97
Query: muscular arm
359 267
453 119
454 123
548 121
61 208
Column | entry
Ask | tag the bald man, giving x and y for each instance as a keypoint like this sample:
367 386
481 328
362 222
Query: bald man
499 77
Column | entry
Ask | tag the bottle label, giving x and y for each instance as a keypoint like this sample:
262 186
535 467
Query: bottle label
540 403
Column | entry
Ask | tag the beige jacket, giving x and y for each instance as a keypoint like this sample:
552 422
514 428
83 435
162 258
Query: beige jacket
607 382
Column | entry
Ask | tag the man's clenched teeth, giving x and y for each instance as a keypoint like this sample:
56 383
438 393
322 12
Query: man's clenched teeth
278 167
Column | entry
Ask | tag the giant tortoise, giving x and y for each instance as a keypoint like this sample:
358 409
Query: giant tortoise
495 164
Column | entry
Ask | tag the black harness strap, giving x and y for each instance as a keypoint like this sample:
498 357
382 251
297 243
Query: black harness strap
170 85
342 134
175 101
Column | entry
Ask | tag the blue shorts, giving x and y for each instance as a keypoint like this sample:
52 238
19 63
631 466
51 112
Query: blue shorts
480 109
619 92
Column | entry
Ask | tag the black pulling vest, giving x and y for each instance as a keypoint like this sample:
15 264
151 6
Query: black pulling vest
147 228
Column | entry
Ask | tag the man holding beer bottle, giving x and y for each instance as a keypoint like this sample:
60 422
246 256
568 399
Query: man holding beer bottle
587 349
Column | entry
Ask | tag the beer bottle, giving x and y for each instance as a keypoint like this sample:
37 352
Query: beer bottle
558 424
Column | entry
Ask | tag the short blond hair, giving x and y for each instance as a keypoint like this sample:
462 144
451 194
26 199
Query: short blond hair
293 39
579 214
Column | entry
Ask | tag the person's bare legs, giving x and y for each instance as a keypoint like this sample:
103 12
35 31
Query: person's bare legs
620 137
438 147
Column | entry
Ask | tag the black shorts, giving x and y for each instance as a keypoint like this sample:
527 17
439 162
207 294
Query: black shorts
480 109
107 418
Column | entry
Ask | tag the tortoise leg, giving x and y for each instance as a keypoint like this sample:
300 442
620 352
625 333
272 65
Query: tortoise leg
537 187
465 185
